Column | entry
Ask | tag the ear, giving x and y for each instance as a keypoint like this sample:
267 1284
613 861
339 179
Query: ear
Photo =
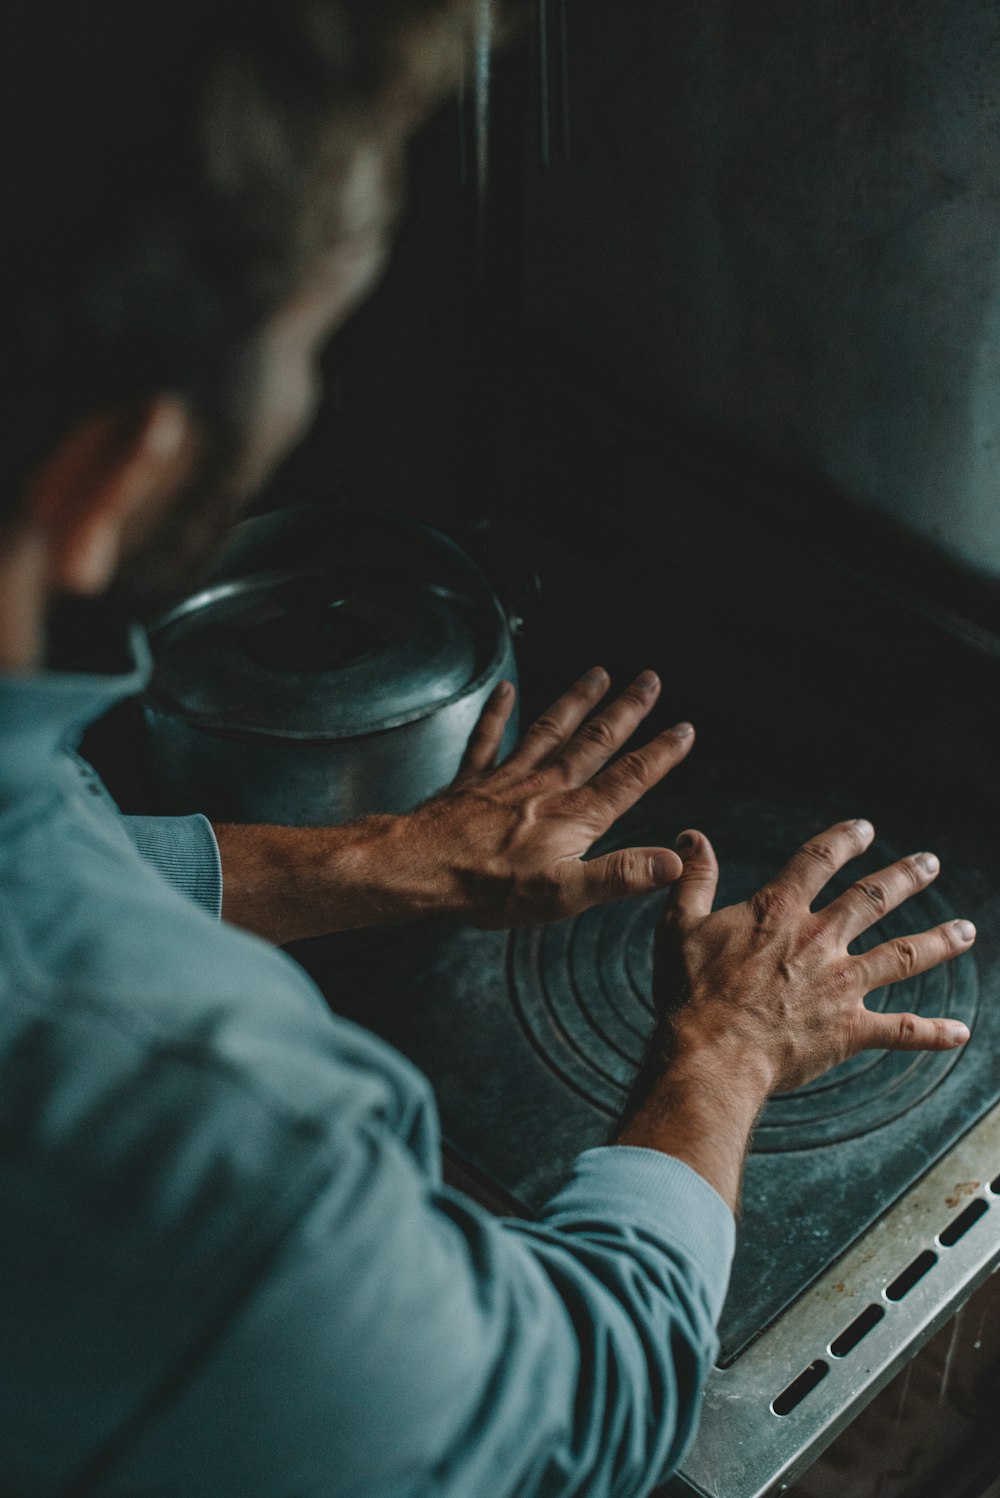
110 476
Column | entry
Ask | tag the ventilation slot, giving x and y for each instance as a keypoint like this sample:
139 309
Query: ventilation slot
790 1398
911 1275
963 1222
857 1331
995 1186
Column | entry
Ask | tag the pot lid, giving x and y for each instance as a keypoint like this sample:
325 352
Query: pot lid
316 654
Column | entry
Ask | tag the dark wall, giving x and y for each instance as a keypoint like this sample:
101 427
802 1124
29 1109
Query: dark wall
784 220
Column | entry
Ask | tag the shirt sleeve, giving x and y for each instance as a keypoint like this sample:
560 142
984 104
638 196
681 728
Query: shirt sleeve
185 852
403 1342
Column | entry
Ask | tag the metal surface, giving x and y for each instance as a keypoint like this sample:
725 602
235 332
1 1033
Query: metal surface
328 669
328 654
828 1231
743 1448
555 1020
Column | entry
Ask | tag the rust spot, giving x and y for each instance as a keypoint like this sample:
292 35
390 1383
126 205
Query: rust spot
840 1287
962 1188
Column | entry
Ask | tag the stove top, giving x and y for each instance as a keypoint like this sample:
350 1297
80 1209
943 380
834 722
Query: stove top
532 1038
818 695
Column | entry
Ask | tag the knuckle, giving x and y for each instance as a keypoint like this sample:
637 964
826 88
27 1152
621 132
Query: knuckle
772 903
636 696
906 1029
530 788
873 893
546 727
584 804
906 955
628 869
630 768
598 734
941 1033
820 853
841 978
857 1031
813 932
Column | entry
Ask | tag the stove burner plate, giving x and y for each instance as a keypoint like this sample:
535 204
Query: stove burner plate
582 992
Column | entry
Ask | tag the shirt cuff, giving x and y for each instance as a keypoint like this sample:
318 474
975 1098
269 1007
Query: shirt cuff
643 1188
186 854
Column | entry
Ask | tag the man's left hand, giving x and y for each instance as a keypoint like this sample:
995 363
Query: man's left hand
511 842
501 846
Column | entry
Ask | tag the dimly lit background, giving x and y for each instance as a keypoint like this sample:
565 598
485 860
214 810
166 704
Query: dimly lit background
760 242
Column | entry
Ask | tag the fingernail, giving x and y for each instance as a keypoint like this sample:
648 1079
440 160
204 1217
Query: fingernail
504 689
927 862
863 827
682 730
958 1034
686 840
965 930
647 681
664 870
596 677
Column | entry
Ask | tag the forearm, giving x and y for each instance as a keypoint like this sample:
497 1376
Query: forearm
639 1249
699 1106
288 883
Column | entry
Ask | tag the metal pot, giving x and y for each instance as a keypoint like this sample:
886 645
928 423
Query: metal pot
328 668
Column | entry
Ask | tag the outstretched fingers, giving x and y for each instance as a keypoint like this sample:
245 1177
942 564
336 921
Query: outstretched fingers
813 865
487 736
617 789
906 956
911 1032
549 732
873 896
593 744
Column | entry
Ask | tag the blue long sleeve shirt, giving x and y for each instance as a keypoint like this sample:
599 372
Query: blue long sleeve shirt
228 1265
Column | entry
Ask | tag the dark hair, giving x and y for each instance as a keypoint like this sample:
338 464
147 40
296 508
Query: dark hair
165 169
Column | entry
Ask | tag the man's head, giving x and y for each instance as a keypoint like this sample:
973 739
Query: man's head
196 194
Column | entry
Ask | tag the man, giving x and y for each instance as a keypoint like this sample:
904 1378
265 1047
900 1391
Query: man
228 1263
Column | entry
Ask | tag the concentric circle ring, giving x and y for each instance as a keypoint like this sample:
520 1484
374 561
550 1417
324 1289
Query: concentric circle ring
582 990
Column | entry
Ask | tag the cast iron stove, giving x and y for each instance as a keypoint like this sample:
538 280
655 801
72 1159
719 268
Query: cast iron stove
868 1216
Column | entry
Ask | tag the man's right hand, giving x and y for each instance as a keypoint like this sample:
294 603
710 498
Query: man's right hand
762 997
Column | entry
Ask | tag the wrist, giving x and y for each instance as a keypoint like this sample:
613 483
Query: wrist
693 1099
722 1059
699 1102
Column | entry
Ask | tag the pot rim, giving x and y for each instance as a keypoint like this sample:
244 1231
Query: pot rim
164 706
